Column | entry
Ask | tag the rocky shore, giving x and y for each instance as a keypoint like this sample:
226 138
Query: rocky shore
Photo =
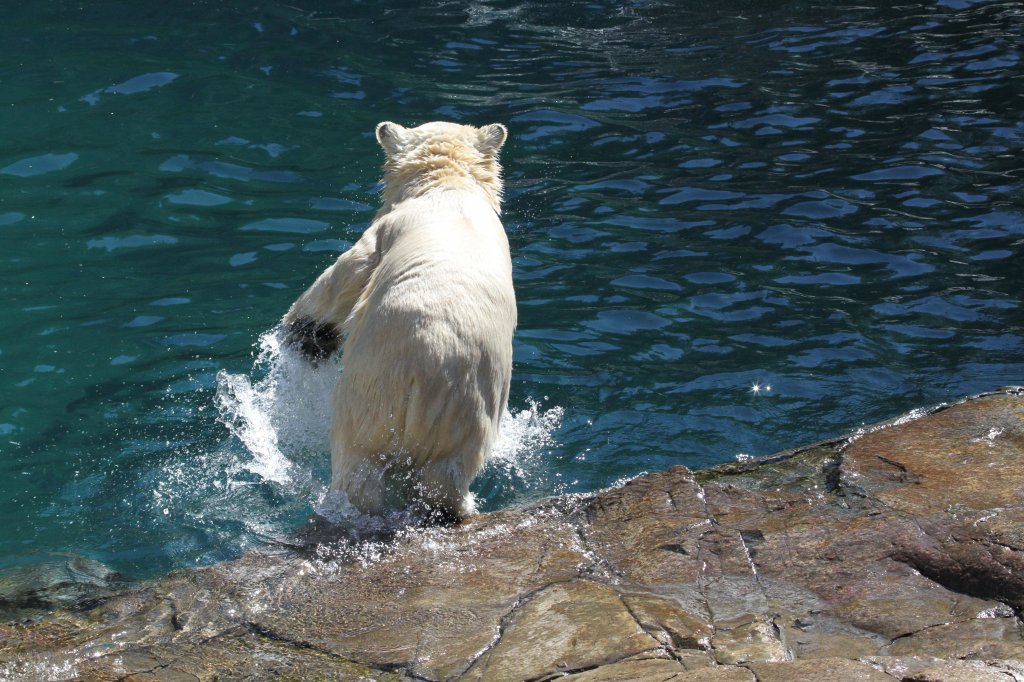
894 554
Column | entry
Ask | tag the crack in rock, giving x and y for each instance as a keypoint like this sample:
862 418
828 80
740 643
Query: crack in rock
967 566
265 632
548 677
507 619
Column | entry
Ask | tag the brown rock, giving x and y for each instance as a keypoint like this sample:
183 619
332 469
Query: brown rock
977 638
756 640
969 671
634 670
895 554
817 670
565 627
669 622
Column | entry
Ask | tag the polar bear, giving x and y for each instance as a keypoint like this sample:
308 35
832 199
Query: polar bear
424 310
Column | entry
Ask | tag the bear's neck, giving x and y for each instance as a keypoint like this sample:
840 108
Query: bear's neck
412 179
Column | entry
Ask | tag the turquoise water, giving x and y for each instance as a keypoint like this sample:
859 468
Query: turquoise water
736 227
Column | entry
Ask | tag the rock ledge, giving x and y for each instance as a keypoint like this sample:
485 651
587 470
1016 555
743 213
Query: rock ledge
894 554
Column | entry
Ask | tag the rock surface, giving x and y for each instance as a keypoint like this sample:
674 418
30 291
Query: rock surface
896 553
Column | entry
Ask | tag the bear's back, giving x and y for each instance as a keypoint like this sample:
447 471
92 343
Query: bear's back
429 350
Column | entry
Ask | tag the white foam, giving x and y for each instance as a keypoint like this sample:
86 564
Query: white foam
523 438
288 408
262 480
34 667
282 420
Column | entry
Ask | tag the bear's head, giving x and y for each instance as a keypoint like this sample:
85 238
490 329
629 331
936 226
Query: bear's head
441 155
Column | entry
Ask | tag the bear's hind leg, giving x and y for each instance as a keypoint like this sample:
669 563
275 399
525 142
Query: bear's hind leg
443 488
363 483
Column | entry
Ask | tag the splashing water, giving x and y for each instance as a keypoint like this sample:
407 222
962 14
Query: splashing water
517 458
282 422
288 407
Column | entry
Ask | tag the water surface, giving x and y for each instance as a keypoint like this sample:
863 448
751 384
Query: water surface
736 227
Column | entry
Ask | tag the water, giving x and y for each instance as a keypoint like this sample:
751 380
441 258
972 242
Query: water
736 226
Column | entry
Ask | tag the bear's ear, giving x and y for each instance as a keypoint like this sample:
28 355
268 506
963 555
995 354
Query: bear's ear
492 137
390 136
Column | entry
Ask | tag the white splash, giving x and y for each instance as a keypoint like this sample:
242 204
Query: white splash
283 420
37 667
989 438
288 408
524 436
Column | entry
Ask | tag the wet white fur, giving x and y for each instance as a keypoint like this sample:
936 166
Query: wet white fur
426 305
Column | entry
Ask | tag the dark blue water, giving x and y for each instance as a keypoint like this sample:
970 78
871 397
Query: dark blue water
736 227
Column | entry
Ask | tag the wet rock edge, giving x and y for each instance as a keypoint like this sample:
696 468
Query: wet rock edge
892 553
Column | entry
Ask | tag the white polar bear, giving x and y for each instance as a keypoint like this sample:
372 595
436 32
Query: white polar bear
425 305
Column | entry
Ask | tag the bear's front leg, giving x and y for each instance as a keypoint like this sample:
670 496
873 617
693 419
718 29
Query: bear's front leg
313 324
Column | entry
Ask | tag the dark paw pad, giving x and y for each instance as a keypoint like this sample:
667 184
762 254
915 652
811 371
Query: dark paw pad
315 340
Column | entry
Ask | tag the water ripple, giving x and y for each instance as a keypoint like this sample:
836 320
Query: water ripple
823 197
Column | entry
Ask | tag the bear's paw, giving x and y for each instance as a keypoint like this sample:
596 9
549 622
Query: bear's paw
316 341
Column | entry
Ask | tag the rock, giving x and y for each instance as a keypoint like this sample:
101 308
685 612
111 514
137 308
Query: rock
896 553
818 669
62 581
577 625
630 670
969 671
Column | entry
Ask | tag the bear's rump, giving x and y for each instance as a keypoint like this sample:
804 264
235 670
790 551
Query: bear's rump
417 392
